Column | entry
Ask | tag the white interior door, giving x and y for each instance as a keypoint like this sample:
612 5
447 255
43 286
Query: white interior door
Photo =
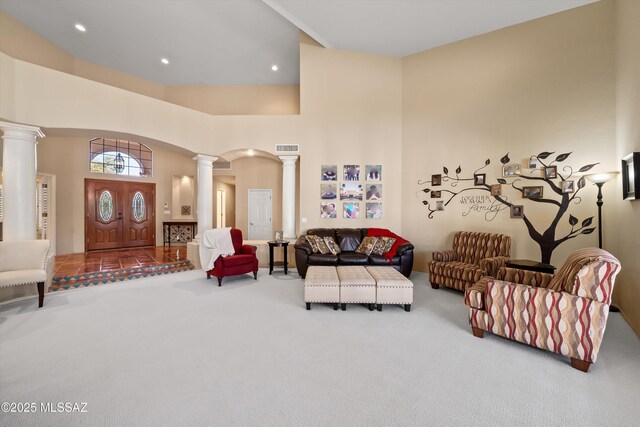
260 215
221 206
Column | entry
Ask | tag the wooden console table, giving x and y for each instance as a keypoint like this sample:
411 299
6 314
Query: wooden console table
178 232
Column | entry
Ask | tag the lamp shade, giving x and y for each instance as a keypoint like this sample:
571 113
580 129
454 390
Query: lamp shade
601 178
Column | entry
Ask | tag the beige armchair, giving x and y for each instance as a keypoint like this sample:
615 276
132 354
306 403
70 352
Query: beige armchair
23 262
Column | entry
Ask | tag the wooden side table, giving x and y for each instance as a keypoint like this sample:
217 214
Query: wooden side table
284 264
525 264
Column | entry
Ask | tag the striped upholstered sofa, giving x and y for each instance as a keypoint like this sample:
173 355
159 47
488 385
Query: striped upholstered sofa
565 313
474 255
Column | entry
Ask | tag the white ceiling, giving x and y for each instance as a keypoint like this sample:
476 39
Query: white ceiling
237 41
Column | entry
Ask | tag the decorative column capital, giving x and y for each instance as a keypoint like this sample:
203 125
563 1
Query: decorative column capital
205 160
21 132
288 160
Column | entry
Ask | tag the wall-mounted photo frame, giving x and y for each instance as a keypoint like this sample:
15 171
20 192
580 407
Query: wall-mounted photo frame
440 205
329 172
496 189
328 210
351 173
568 187
278 236
533 162
533 192
551 172
517 211
511 170
436 194
436 180
479 178
373 173
374 210
328 191
351 191
351 210
374 192
631 176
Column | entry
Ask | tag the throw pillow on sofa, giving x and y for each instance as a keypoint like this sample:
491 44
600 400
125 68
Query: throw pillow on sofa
367 245
322 246
314 243
334 248
383 245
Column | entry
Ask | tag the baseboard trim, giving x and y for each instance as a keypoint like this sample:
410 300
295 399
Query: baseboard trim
633 327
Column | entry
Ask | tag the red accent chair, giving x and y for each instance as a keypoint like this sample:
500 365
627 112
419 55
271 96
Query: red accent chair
242 262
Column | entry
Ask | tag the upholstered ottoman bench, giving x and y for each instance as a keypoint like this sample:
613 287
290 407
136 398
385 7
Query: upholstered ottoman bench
356 286
392 287
322 285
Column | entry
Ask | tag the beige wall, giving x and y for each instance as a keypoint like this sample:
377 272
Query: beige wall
352 112
622 228
545 85
67 159
18 41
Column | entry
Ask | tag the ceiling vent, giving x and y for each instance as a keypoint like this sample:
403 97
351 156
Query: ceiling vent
222 165
287 148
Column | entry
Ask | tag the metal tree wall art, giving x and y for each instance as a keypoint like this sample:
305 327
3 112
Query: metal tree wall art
564 192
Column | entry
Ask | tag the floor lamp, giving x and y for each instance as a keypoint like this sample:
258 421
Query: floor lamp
600 179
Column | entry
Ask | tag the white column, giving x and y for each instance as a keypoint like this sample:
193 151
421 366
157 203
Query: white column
204 197
289 196
19 180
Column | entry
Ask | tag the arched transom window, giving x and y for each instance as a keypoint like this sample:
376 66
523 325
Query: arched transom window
119 157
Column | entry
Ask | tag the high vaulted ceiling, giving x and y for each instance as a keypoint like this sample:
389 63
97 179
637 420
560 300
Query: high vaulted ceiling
237 41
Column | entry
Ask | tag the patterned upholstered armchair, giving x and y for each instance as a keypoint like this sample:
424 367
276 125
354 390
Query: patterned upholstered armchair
474 255
565 313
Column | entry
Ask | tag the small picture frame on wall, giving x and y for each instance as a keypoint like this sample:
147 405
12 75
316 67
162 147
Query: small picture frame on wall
551 172
534 192
631 176
374 192
440 205
351 191
496 189
278 236
185 210
351 210
436 194
511 170
568 187
329 172
328 191
436 179
479 179
373 173
351 173
374 210
328 210
533 162
517 211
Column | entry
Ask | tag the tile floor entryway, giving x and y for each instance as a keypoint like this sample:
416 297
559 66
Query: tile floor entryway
111 266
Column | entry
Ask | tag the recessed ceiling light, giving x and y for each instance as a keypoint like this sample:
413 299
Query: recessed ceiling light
165 61
80 28
274 68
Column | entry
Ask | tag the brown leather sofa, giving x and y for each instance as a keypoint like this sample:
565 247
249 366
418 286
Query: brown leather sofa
348 239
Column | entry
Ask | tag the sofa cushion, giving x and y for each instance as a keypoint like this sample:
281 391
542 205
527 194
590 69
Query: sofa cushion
457 270
322 232
320 259
381 260
383 245
367 245
348 238
313 241
353 258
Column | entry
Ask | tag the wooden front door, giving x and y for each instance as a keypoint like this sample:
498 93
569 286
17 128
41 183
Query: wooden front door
119 214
